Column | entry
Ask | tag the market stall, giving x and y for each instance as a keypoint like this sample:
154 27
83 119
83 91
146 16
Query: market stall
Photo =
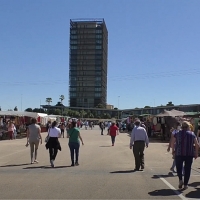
163 123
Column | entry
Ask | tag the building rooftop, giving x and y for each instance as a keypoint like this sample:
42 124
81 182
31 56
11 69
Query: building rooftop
88 20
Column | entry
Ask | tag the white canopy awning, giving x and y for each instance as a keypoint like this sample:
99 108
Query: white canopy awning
20 114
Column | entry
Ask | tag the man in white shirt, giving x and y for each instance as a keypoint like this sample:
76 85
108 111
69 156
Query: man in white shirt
138 140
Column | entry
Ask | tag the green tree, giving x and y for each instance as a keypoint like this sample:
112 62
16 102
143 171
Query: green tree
62 97
115 108
77 114
147 107
48 100
100 106
94 112
82 113
29 110
57 112
106 116
170 103
38 110
59 104
15 109
90 115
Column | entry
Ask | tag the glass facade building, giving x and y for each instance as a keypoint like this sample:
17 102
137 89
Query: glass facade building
88 63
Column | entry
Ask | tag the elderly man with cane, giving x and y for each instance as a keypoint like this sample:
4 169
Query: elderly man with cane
138 140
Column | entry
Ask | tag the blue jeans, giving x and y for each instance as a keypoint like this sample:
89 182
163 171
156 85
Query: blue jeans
74 146
187 160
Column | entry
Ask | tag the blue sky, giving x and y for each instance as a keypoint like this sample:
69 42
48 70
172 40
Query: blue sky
153 58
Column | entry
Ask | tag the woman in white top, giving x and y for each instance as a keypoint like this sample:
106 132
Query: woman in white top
53 143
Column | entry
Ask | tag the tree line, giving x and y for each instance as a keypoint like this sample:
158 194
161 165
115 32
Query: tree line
73 113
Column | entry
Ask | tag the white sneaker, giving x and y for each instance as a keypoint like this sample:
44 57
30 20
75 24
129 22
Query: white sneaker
52 164
172 170
185 187
35 161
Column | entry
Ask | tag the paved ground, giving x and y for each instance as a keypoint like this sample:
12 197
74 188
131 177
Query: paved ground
105 172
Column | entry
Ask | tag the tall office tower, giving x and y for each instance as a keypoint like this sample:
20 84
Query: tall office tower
88 63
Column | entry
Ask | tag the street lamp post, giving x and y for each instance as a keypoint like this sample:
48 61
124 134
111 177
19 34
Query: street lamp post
118 106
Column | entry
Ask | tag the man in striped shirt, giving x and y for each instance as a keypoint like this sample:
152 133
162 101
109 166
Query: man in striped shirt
184 152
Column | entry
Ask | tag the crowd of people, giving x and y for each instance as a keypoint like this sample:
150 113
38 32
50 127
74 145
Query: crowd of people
55 130
184 143
9 130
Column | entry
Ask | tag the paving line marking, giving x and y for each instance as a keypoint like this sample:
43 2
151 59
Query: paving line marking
173 188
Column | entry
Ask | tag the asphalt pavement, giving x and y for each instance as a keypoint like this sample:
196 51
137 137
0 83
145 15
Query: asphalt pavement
105 172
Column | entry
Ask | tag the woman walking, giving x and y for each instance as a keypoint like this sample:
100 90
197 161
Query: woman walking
33 138
184 152
10 129
101 126
113 131
174 131
62 128
74 143
53 143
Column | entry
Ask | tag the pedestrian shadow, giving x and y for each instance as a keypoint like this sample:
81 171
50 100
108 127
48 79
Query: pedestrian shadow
106 146
163 192
170 174
47 167
16 165
195 184
123 172
194 194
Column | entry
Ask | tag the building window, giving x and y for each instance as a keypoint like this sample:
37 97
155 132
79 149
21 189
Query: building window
73 42
73 31
73 47
98 47
97 89
73 94
98 41
73 36
97 94
98 73
73 83
98 56
73 62
98 31
98 36
97 67
73 89
98 83
73 78
98 62
72 68
97 78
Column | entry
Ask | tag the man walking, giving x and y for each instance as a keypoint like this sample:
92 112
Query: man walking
138 140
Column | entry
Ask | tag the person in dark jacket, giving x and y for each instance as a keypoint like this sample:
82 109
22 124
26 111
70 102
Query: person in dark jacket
53 143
